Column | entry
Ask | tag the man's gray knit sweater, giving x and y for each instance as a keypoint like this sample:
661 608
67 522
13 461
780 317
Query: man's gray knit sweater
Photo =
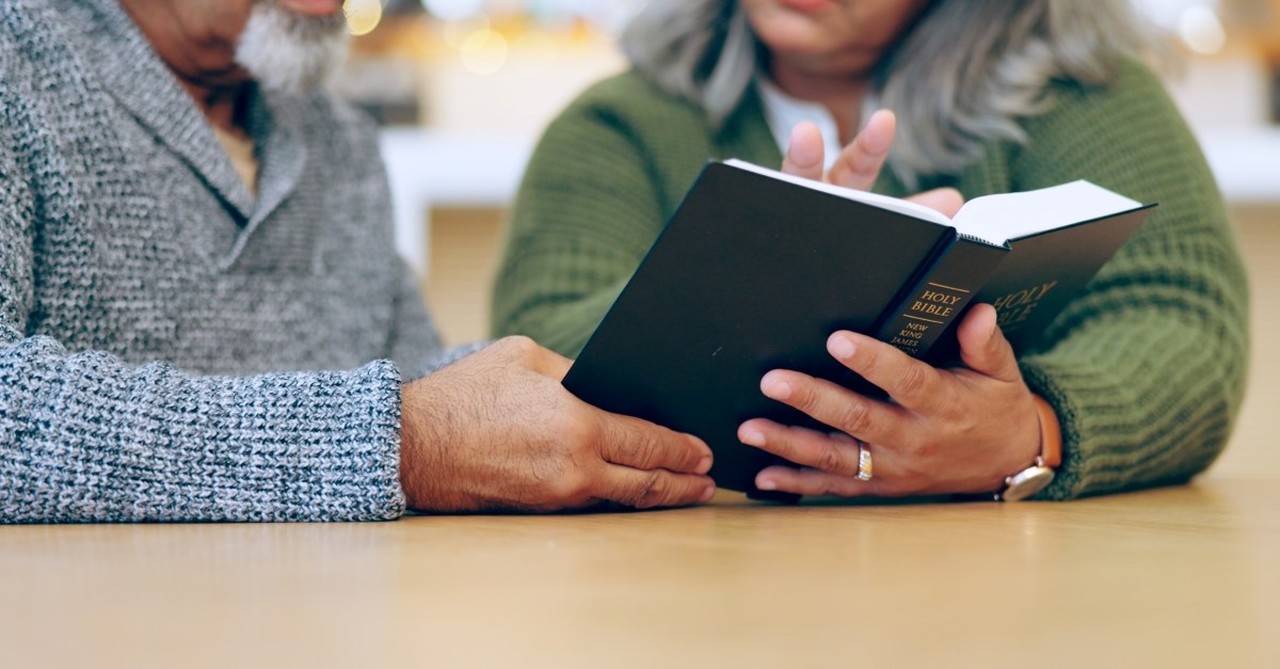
163 333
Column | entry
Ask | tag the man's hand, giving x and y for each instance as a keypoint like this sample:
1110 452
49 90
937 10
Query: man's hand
496 430
956 430
859 163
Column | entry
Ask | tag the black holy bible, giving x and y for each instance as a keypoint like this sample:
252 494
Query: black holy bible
756 269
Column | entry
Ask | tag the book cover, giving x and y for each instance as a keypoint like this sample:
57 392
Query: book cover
756 269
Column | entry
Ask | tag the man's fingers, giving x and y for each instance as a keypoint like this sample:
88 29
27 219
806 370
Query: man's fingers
804 152
556 365
552 364
533 355
859 164
650 466
945 200
983 346
653 488
639 444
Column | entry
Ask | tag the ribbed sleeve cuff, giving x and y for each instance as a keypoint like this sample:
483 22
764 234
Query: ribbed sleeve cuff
88 439
1133 418
305 447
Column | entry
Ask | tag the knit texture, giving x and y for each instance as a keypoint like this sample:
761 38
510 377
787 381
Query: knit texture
165 335
1145 369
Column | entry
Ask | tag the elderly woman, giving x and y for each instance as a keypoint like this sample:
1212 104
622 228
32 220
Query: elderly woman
1138 381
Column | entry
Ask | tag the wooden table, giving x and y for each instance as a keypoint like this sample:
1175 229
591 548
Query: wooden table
1178 577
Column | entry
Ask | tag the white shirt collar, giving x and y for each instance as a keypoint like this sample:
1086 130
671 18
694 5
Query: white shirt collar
784 112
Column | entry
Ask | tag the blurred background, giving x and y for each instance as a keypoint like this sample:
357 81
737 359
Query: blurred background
463 88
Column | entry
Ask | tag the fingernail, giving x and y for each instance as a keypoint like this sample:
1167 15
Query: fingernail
753 438
841 348
776 388
708 494
704 465
798 151
767 484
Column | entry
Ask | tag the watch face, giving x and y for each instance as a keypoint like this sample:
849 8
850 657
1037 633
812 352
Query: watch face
1027 483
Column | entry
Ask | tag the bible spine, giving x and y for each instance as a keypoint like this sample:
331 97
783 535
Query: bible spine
942 293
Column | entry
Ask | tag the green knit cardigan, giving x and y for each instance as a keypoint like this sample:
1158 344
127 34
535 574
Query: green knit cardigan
1146 369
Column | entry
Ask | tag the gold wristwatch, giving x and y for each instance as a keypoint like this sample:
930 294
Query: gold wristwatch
1035 478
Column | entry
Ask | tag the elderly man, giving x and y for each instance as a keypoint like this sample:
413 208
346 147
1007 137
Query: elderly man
201 313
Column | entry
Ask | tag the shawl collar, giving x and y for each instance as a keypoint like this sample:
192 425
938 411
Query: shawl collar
133 73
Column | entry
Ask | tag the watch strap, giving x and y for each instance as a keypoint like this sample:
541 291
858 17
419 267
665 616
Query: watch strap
1050 432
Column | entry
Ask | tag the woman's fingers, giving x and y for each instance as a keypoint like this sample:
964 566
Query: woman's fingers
945 200
835 453
838 407
983 346
804 152
813 482
859 164
911 383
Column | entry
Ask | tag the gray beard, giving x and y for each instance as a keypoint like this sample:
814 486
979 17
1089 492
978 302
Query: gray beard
285 51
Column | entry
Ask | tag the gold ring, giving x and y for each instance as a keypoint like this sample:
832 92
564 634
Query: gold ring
864 463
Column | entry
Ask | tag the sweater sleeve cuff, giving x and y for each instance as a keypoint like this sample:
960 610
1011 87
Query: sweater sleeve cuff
349 469
1067 479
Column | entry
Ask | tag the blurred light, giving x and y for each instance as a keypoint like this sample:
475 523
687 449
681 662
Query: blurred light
1201 30
1167 14
362 15
453 10
612 17
536 48
455 33
484 52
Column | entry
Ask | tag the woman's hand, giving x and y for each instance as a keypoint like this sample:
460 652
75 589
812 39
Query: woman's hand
960 430
860 162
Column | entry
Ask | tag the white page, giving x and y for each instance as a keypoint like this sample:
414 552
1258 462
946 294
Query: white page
993 218
882 201
997 218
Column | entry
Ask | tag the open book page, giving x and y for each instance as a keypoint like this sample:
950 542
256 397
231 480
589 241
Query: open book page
874 199
996 218
992 218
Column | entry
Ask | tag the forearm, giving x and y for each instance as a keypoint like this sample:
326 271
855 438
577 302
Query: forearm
89 439
1147 368
565 264
586 214
1145 398
563 326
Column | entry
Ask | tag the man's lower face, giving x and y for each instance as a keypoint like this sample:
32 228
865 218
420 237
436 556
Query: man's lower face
291 49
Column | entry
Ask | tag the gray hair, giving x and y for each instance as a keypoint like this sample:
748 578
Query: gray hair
962 76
